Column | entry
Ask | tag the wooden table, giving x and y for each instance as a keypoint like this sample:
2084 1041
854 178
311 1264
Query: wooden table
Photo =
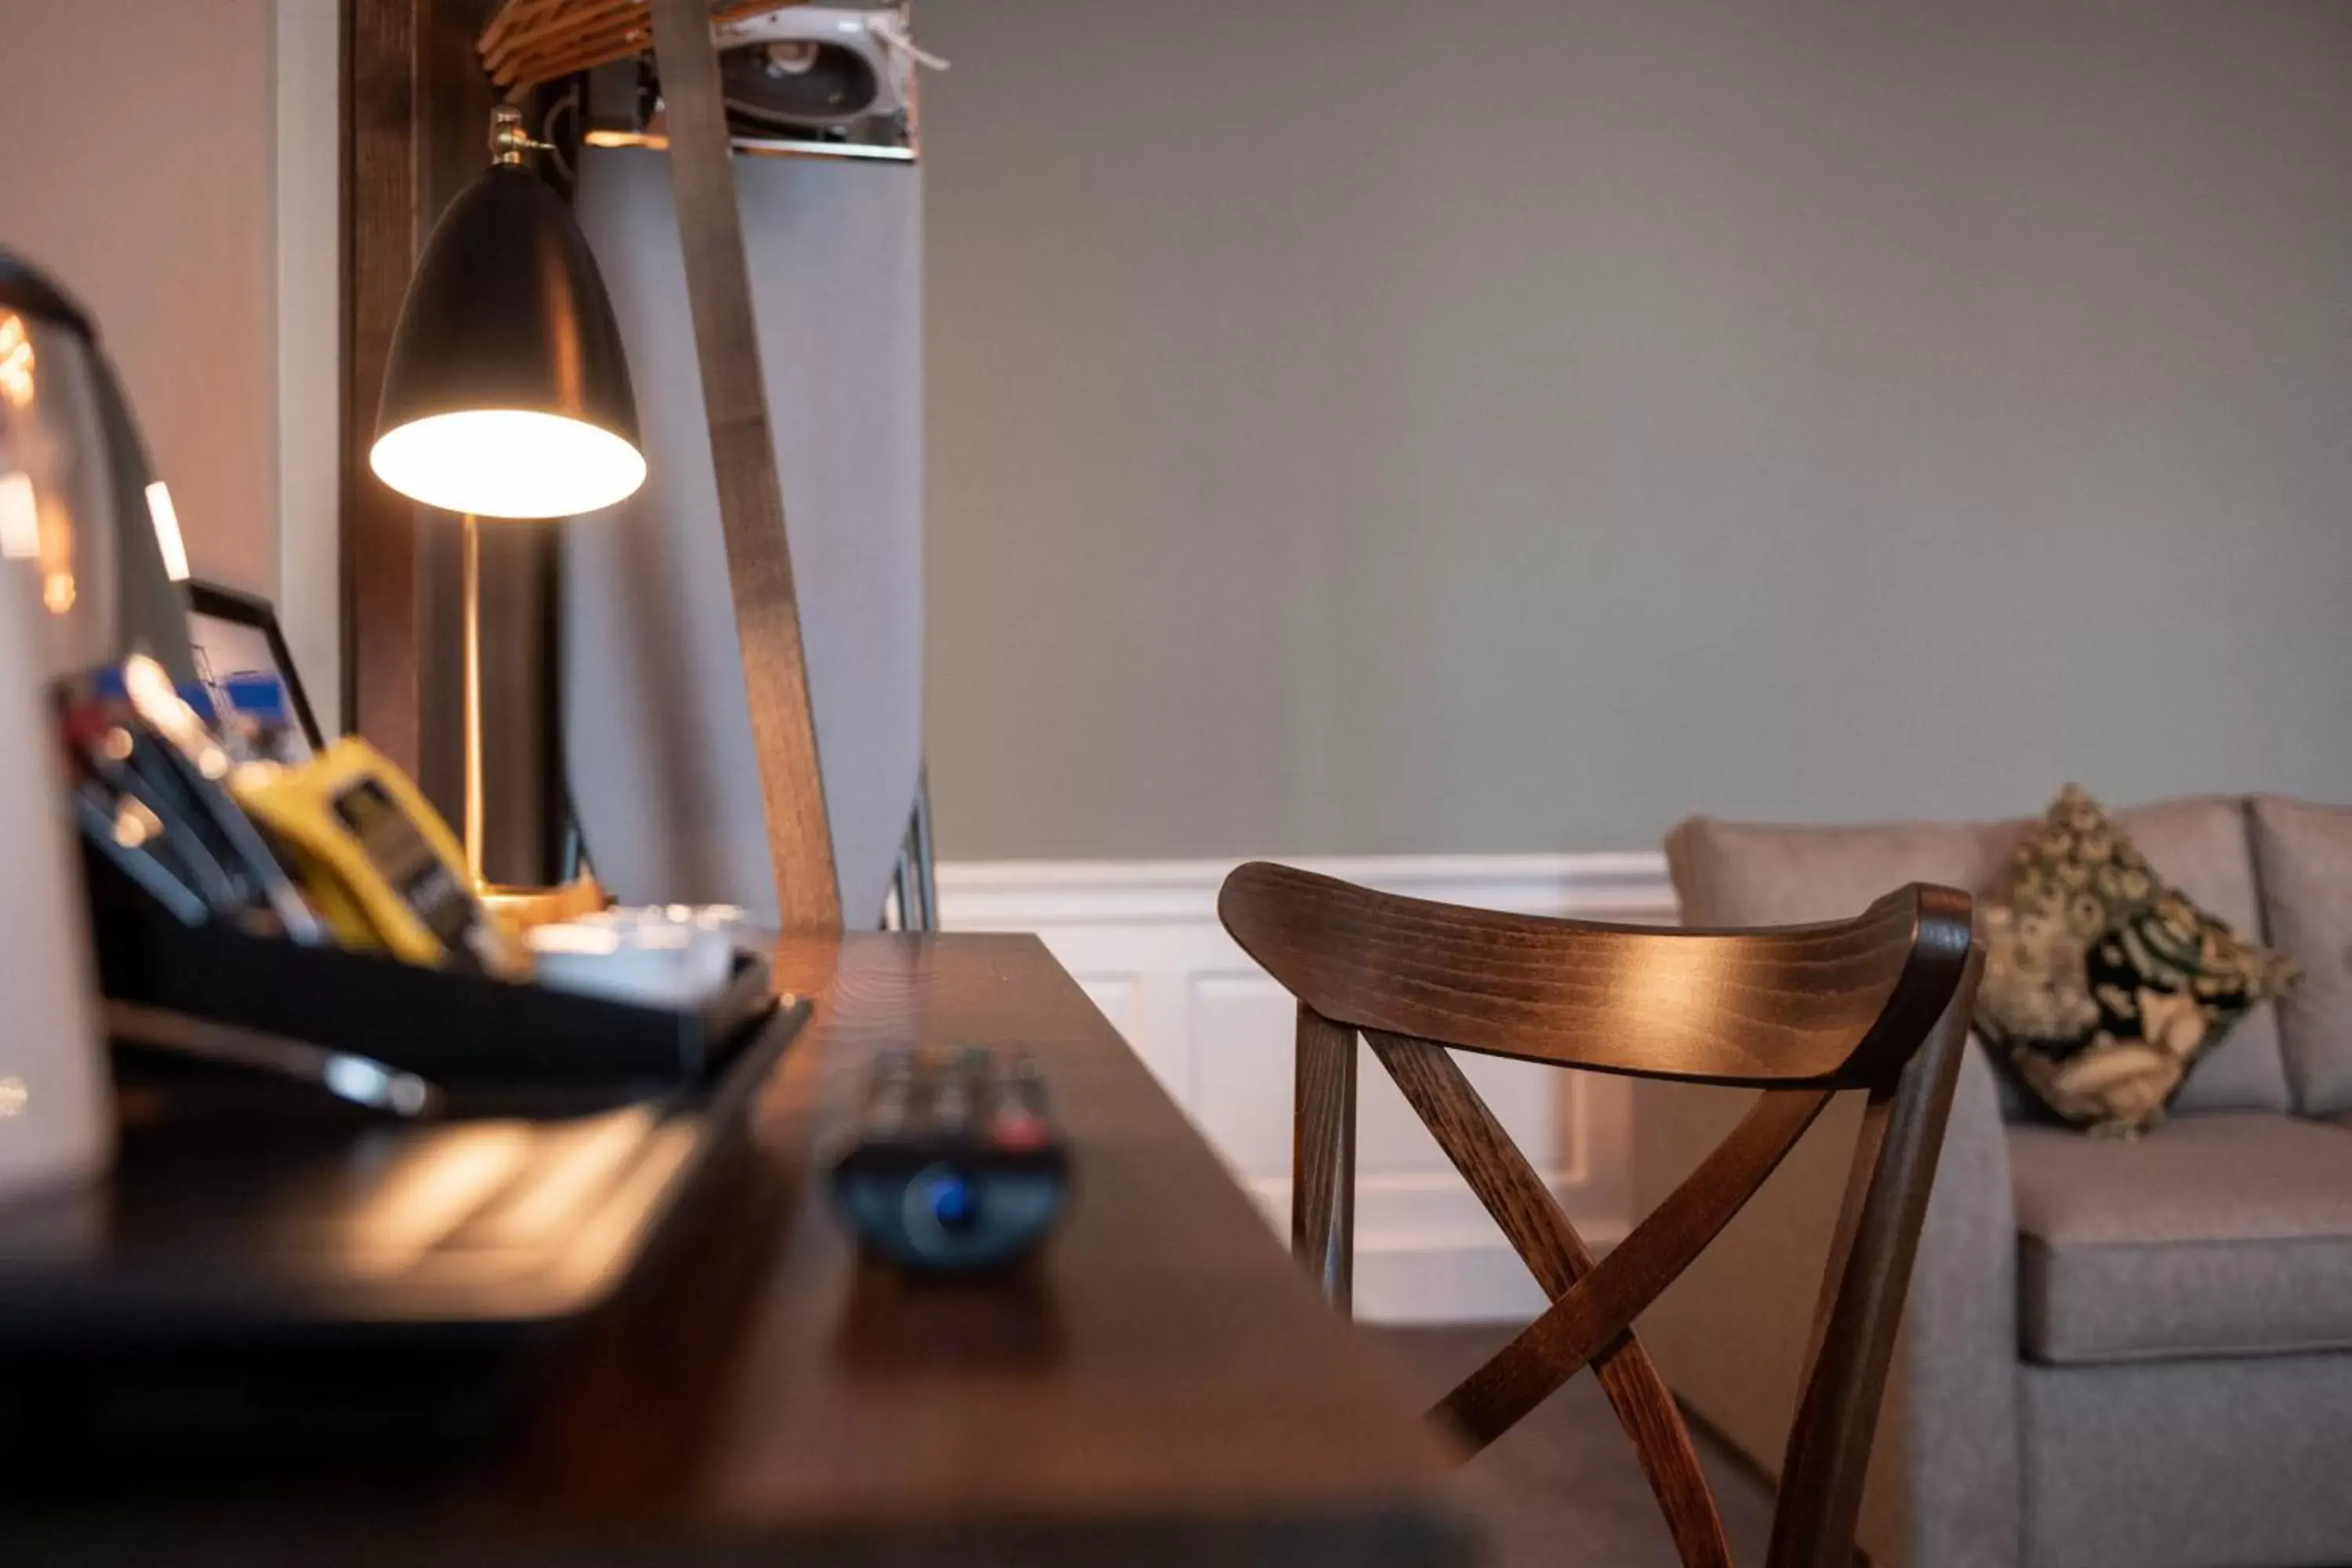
1162 1386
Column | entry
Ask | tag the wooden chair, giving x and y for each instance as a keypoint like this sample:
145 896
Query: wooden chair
1878 1003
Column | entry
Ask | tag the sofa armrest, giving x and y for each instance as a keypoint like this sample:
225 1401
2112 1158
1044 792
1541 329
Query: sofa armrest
1955 1433
1730 1335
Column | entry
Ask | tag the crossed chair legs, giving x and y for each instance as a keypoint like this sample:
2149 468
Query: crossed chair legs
1593 1305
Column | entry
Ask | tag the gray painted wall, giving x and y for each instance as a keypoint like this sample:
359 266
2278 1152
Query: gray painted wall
1510 425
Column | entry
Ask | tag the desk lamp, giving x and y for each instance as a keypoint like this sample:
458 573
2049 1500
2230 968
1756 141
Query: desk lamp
506 393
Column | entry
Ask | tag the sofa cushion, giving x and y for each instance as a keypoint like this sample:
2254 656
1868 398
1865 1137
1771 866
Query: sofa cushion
2180 1464
2213 1236
1750 874
2305 854
2104 984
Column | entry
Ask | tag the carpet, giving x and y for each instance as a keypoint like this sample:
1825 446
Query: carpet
1561 1489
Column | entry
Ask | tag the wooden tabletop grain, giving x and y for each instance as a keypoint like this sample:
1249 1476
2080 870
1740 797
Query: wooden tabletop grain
1161 1386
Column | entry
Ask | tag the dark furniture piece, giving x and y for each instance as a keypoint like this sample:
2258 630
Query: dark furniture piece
1878 1003
1160 1386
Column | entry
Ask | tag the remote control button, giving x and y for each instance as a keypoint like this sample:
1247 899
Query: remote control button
1016 1132
942 1201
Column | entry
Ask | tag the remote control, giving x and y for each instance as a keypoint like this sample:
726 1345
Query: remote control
956 1164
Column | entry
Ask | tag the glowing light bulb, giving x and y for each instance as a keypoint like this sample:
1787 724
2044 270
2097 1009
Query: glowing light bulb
508 462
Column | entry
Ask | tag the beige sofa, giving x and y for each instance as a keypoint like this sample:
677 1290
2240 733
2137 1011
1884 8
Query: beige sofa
2129 1353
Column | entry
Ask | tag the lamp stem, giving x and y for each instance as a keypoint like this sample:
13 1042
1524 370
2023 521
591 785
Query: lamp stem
473 611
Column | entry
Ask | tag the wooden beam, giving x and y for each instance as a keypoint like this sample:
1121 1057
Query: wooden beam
743 453
416 104
380 566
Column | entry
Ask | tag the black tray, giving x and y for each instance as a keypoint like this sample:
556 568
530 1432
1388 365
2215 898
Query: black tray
447 1025
224 1218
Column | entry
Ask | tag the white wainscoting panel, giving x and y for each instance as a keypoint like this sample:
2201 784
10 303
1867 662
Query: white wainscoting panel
1142 938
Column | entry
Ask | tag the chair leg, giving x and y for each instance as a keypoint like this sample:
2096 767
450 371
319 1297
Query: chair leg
1323 1156
1441 1094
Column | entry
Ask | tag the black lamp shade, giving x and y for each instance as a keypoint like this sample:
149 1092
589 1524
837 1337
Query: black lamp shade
506 391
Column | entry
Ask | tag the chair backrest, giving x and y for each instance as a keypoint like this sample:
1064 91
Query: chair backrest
1878 1003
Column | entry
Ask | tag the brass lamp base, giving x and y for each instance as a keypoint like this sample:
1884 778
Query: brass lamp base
522 909
517 908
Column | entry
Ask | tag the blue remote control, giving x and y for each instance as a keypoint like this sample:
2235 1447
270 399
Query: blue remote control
956 1165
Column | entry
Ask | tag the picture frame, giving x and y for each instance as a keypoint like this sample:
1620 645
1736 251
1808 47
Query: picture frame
227 627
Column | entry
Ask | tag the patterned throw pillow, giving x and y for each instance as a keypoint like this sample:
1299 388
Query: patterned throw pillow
2103 985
